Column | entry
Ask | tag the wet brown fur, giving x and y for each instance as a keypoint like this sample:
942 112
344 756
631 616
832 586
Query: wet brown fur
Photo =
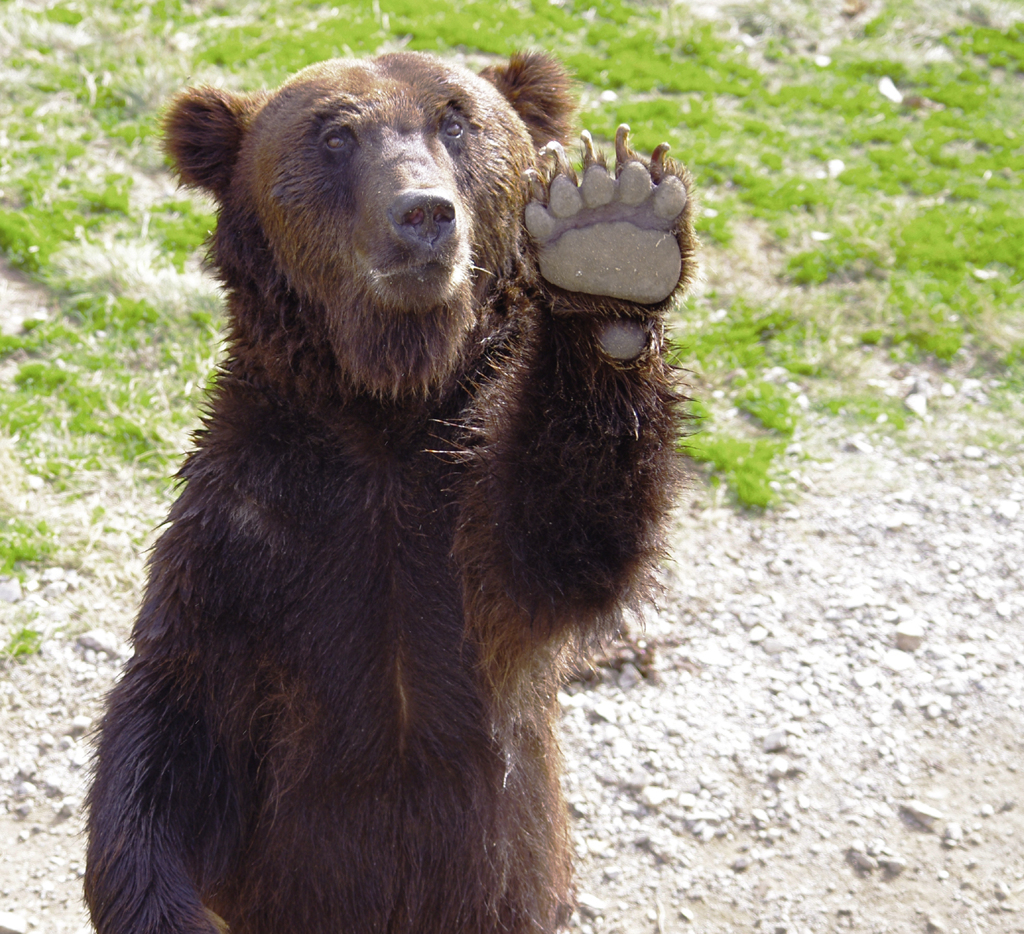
419 488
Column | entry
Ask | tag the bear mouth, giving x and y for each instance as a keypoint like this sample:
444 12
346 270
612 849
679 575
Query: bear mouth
418 286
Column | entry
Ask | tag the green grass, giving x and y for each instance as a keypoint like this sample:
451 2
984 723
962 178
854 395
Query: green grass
745 465
23 541
894 229
24 642
867 409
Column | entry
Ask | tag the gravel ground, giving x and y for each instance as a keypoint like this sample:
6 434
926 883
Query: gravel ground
818 729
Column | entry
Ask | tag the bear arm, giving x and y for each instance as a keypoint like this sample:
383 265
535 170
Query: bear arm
562 514
162 812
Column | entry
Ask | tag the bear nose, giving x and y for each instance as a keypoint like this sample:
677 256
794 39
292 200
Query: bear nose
423 217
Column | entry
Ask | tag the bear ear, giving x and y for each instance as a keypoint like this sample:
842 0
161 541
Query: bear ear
203 132
540 91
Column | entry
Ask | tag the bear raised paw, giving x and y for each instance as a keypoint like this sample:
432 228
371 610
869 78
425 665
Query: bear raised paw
612 235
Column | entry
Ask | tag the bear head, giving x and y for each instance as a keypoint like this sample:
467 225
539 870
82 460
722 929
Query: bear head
366 208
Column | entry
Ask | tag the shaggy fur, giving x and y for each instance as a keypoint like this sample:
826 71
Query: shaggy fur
419 487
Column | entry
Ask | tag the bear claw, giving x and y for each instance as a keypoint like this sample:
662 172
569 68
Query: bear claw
610 235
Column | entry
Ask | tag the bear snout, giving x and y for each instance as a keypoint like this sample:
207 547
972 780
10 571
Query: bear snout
424 219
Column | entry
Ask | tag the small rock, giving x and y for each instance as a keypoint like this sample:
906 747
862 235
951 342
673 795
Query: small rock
775 741
740 864
917 402
779 767
10 590
79 725
909 635
55 590
99 640
898 660
27 769
934 926
13 923
866 677
973 453
654 796
68 807
901 518
686 914
923 813
862 860
629 677
590 905
893 865
757 634
605 710
889 91
25 790
859 444
1007 508
637 780
953 835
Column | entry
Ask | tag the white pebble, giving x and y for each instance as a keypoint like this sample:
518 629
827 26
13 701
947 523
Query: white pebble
10 590
13 922
923 813
889 90
99 640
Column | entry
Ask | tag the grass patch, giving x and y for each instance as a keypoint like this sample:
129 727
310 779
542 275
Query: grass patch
744 464
771 405
23 541
867 409
23 642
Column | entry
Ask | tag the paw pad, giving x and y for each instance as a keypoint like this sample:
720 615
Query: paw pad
613 236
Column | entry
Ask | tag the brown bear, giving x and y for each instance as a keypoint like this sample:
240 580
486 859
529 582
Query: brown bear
436 463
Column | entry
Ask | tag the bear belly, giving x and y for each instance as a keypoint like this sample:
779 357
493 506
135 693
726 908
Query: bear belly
379 785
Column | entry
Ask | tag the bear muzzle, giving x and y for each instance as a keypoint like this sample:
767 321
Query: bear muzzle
420 256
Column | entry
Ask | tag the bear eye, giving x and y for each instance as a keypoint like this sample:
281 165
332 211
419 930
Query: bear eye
338 140
453 128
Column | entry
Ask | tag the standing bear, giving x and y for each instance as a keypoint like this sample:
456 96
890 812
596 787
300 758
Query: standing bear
437 463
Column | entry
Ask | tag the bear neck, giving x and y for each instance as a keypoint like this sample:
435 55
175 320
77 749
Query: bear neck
326 363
